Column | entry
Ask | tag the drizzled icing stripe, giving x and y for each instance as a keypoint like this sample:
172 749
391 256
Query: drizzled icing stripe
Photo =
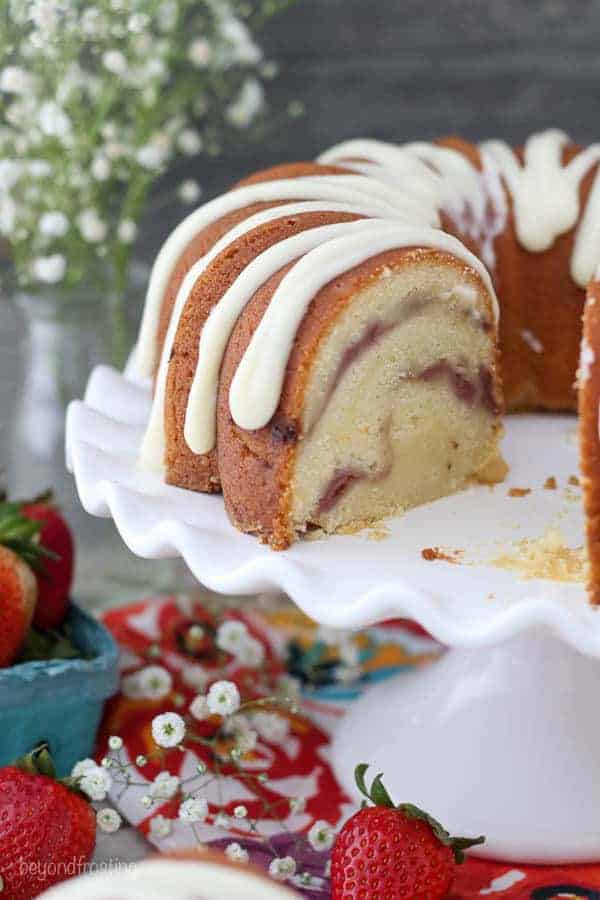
440 175
544 192
328 252
339 188
545 196
153 445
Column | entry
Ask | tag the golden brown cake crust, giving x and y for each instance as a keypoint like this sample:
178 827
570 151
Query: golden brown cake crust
183 467
205 239
589 438
539 299
257 466
541 306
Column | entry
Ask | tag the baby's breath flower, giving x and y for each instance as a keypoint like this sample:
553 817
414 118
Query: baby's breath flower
54 224
243 48
195 809
83 766
160 827
242 112
127 231
156 682
250 653
95 782
240 812
101 167
230 635
168 730
321 835
137 22
189 141
146 801
14 80
164 786
53 120
49 269
92 228
222 821
8 217
236 853
108 820
282 867
199 53
115 742
141 761
115 62
223 698
45 14
151 156
199 708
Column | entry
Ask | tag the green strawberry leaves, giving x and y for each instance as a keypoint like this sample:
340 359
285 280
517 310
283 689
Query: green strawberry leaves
54 643
37 762
379 796
21 535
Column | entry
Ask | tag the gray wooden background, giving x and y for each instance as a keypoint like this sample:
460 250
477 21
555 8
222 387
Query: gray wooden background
407 69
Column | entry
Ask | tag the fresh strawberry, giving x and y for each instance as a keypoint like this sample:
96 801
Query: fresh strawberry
47 829
55 573
18 588
397 852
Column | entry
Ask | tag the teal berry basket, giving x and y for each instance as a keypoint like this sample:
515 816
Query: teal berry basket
59 701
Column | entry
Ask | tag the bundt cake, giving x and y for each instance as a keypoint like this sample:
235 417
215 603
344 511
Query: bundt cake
324 337
200 875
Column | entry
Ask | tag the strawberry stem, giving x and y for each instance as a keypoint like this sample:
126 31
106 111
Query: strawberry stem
379 796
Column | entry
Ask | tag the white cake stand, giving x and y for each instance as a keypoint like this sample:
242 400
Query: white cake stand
502 735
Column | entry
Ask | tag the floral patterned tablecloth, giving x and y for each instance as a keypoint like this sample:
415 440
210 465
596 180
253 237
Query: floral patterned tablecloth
169 653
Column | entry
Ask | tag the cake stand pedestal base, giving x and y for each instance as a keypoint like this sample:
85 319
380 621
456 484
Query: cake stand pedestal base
502 741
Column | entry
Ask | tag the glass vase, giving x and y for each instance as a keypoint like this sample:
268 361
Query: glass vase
56 338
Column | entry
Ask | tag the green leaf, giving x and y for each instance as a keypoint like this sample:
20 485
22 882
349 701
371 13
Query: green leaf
46 645
379 794
457 844
37 762
359 777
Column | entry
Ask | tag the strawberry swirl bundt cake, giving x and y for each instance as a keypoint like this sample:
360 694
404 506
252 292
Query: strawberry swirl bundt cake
325 340
187 875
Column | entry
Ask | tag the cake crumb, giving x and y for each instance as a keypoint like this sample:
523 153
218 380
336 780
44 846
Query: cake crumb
545 557
378 532
550 483
519 492
493 472
574 480
443 555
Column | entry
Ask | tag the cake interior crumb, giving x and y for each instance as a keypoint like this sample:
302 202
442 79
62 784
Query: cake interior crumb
519 492
545 557
431 554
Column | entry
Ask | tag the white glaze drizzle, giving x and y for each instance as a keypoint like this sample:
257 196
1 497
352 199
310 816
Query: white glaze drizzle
329 251
153 445
410 183
439 175
545 196
338 188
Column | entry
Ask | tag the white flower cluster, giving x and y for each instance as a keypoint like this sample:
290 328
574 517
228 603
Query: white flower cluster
92 779
72 182
233 637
